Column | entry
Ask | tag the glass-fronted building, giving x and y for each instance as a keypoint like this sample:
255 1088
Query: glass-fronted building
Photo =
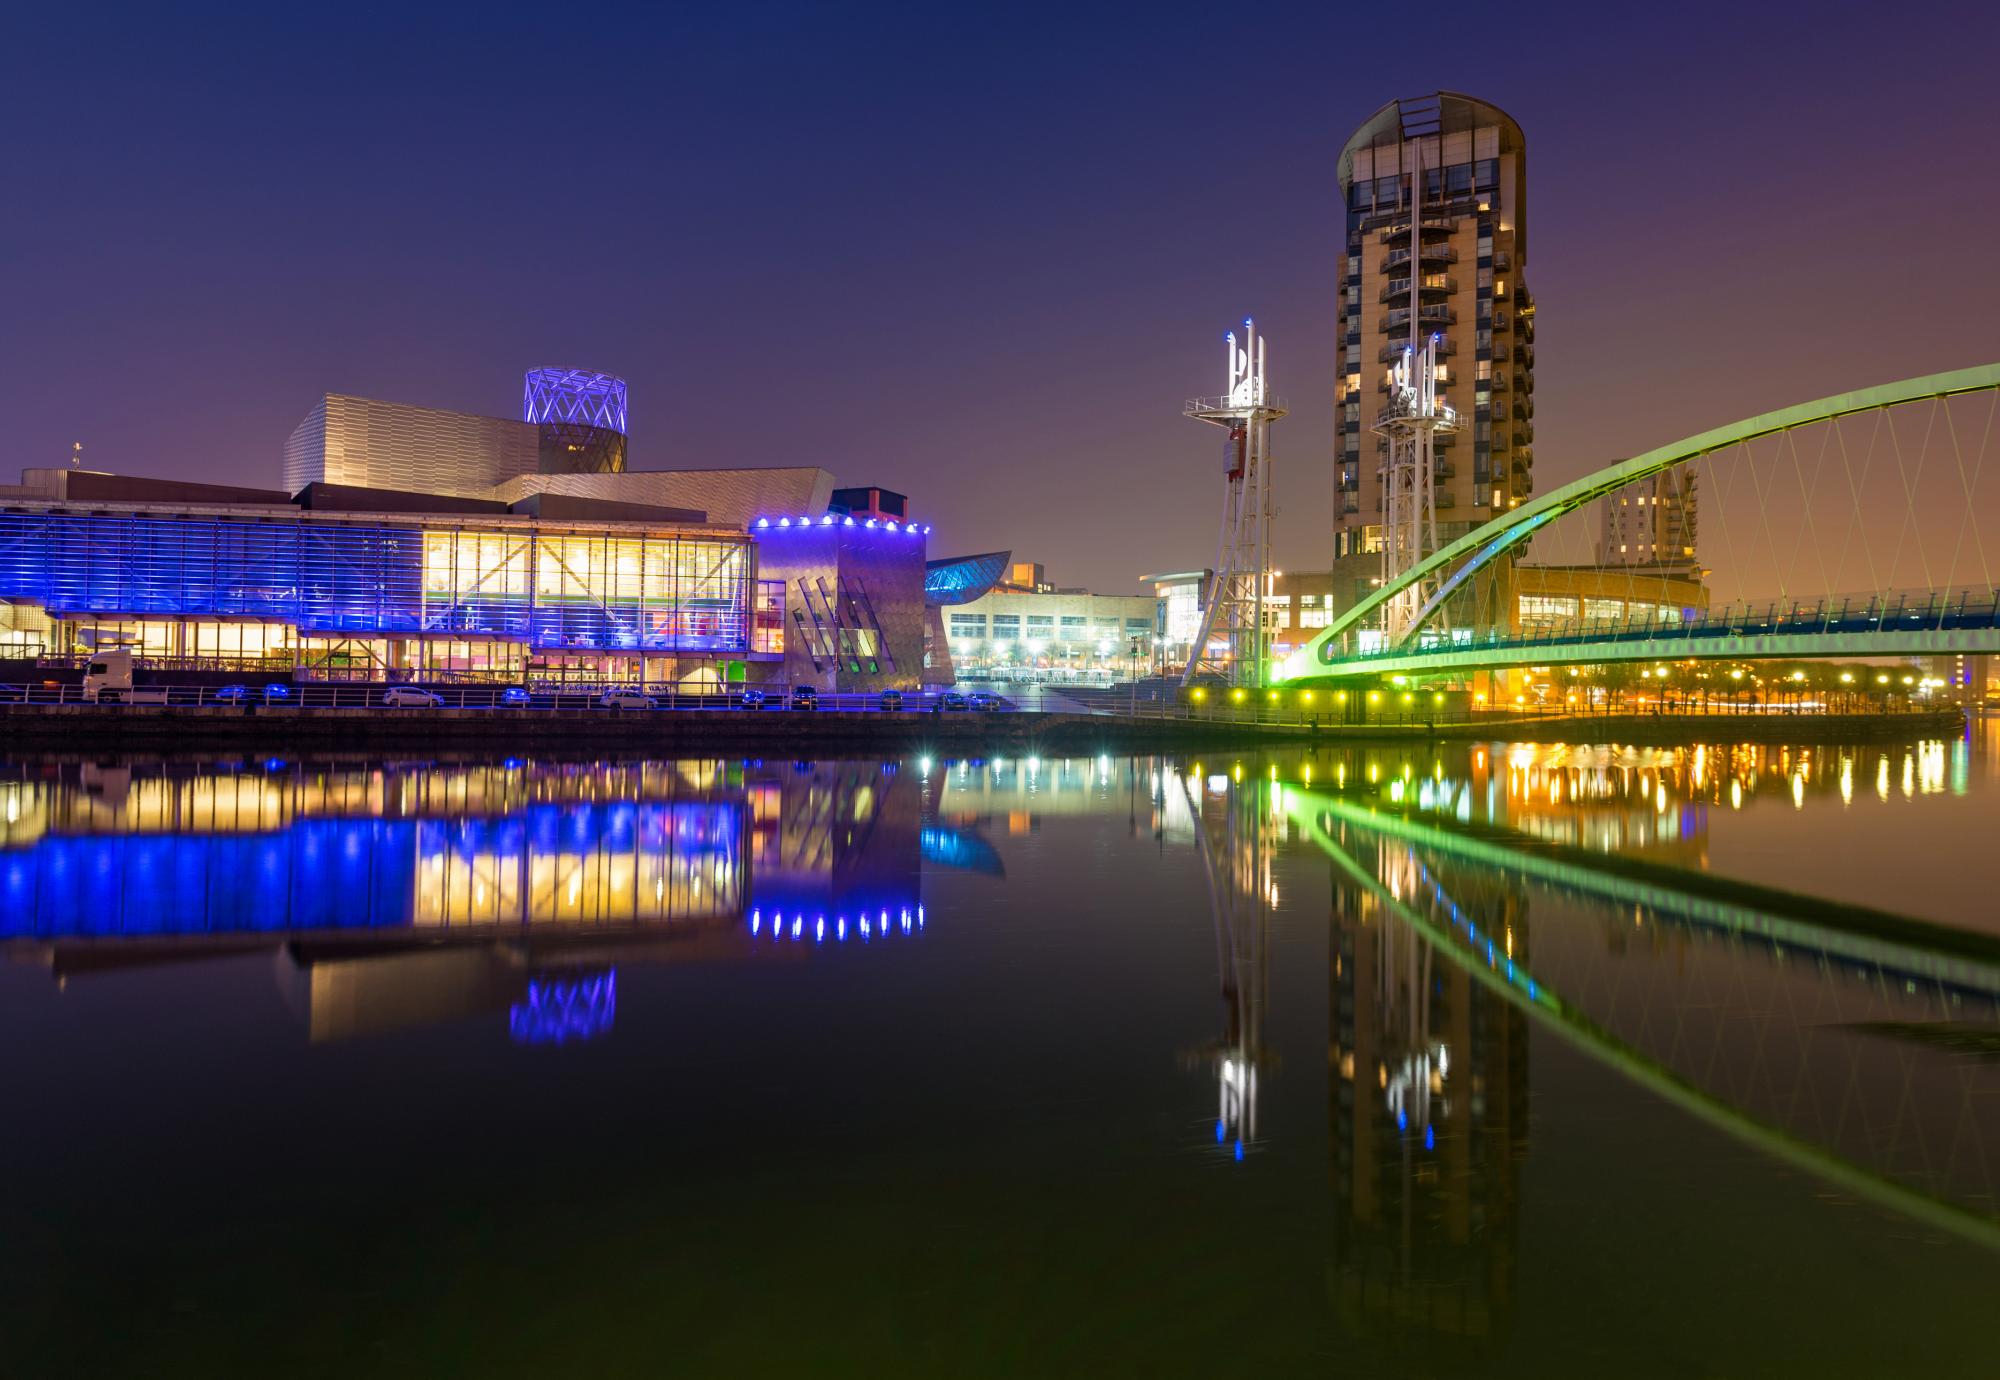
1016 633
333 595
464 548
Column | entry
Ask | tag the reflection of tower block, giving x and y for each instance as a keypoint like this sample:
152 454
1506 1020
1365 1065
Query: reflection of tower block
1428 1117
1231 642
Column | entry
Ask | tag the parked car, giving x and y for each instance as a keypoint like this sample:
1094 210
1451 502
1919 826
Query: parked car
751 699
625 699
982 703
805 697
951 700
515 697
890 701
410 697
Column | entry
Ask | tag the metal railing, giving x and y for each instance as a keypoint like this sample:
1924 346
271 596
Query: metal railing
280 696
1898 610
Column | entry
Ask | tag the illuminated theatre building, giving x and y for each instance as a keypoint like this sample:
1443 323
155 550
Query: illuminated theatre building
412 544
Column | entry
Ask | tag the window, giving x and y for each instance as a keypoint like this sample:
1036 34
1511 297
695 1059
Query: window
1006 626
1073 629
1138 626
1542 610
1040 626
1604 610
968 625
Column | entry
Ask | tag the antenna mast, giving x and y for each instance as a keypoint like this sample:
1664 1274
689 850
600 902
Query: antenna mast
1231 642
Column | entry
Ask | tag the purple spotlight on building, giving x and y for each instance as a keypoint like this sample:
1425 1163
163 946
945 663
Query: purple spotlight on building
581 416
574 395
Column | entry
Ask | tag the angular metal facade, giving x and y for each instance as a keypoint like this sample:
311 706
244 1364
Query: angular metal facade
734 497
385 445
854 603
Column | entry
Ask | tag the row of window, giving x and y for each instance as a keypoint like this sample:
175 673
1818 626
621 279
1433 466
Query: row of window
1457 179
1007 625
1544 609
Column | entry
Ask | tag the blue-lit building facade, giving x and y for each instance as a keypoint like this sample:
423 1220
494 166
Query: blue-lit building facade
349 596
601 584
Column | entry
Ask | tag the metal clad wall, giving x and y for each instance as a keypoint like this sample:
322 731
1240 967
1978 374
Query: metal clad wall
735 497
841 579
386 445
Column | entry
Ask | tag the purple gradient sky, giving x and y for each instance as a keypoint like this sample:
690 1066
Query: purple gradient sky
977 255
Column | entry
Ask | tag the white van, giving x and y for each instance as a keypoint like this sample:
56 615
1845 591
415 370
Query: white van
108 680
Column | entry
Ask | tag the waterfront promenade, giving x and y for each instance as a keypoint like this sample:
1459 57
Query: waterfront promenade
89 728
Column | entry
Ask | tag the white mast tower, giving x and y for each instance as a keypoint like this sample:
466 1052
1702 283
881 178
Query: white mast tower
1411 418
1233 621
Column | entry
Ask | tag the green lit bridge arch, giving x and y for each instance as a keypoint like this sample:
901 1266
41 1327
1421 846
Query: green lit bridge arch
1924 622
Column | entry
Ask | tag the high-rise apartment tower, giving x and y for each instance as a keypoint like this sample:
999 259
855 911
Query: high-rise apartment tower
1459 166
1652 522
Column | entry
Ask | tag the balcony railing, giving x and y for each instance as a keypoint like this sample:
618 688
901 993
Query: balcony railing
1426 316
1441 225
1398 289
1438 253
1446 348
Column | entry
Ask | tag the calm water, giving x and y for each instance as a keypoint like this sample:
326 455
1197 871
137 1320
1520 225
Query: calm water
1374 1062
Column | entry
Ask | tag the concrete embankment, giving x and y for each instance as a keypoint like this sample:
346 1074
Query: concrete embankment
1669 730
91 728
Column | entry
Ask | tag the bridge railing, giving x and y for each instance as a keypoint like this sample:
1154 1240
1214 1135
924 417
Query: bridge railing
1894 611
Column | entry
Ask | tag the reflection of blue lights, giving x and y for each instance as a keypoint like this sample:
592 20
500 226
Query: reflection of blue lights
1239 1152
1221 1132
327 873
1430 1138
1402 1120
564 1010
839 925
960 849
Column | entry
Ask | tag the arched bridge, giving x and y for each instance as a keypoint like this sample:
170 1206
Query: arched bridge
1856 517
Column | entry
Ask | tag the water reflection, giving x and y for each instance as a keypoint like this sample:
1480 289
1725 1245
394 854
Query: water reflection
1474 918
1806 1028
394 895
1428 1112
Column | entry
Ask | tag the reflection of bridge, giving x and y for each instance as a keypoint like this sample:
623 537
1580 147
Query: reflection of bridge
1820 511
1849 978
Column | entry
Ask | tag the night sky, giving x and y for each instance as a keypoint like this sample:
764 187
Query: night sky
978 255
